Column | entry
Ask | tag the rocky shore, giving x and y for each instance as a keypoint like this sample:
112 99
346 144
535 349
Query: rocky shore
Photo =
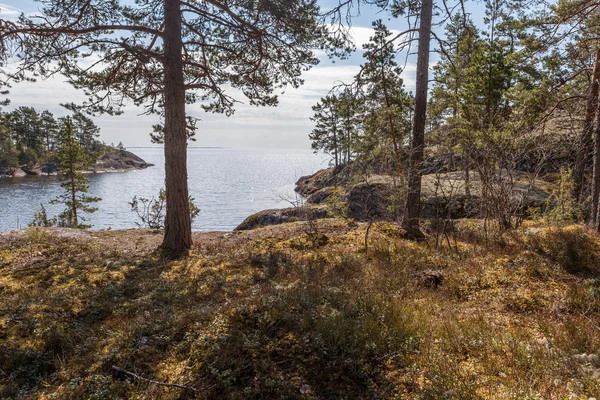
119 161
111 161
336 192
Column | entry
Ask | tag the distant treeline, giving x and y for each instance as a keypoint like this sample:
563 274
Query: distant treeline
29 137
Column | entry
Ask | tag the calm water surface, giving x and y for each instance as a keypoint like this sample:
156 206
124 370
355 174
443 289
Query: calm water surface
228 185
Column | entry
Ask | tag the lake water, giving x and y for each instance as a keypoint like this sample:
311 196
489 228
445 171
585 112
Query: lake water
228 185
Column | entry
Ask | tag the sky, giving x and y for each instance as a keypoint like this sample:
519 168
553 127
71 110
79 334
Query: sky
284 126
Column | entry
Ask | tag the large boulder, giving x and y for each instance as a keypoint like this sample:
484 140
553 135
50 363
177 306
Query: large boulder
369 201
49 169
321 196
310 184
19 173
460 206
282 216
43 170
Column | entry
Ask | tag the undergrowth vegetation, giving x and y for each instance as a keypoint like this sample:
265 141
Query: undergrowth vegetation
277 313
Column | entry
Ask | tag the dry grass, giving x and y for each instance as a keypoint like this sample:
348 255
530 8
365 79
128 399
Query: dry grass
290 312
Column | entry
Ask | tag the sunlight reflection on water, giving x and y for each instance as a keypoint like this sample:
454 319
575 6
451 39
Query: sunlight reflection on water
228 185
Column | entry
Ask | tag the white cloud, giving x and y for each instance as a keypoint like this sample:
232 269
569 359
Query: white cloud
286 125
361 35
8 12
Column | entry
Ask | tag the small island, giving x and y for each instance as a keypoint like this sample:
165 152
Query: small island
29 141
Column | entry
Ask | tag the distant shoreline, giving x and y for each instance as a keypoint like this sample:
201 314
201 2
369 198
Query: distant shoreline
189 147
111 161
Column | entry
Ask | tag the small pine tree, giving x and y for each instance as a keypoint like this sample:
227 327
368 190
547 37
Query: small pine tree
72 160
388 106
121 148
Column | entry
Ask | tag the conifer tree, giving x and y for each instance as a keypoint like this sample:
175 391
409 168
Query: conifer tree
412 208
9 156
387 105
164 54
86 131
50 130
72 161
350 110
326 135
450 75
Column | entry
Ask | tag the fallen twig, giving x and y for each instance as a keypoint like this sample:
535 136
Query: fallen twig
136 376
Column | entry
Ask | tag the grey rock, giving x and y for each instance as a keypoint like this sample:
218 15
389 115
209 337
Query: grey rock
18 173
429 278
281 216
320 196
119 161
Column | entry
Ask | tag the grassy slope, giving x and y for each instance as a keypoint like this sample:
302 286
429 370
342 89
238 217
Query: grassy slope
286 312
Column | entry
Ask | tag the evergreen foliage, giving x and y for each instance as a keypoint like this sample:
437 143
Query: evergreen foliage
9 156
371 116
72 161
387 105
561 208
29 138
163 55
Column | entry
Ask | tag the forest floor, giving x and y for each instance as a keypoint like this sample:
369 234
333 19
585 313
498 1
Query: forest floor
302 310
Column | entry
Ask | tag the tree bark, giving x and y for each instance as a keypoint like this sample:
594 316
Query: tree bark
585 142
73 199
467 176
412 208
596 174
335 141
178 226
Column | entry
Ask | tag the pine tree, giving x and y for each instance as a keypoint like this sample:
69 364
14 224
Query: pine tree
410 221
350 110
50 130
86 131
169 53
387 105
326 135
450 74
9 156
72 161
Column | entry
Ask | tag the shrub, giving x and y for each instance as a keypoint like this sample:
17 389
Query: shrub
151 212
40 218
561 207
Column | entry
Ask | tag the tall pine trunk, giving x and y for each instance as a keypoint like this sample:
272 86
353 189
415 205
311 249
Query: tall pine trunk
584 148
596 175
335 141
412 208
73 199
178 226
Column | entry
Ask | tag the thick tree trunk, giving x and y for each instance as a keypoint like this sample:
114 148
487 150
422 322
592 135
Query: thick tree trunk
467 177
335 142
596 176
335 149
73 199
178 226
410 221
585 142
